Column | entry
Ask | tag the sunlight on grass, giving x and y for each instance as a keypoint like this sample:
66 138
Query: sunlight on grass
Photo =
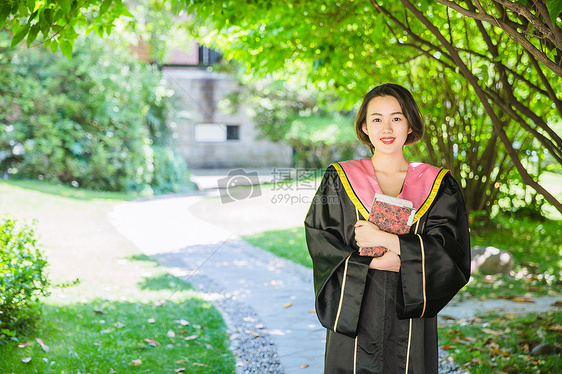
289 244
164 325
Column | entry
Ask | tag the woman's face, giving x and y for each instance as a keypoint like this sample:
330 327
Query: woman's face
386 124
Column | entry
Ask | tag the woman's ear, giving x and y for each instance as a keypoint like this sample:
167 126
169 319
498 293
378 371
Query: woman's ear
364 128
410 130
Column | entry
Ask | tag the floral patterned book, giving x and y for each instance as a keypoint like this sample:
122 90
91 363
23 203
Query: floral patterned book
390 214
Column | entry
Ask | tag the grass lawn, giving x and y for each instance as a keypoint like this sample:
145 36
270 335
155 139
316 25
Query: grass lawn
125 313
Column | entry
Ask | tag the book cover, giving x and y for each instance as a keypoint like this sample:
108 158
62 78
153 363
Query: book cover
390 214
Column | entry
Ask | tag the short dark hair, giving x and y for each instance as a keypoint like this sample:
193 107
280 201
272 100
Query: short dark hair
409 108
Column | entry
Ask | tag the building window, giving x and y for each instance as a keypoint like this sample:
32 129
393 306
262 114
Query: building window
232 132
208 56
216 133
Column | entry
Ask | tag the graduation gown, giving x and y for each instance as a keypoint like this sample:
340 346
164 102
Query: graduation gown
381 321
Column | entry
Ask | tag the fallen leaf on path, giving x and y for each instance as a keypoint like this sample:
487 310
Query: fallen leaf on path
191 337
555 327
499 352
491 332
312 311
137 362
25 344
446 347
198 364
99 311
171 334
119 325
183 322
557 303
182 361
254 334
179 370
501 309
151 342
288 305
304 366
107 330
448 318
151 320
26 359
520 299
43 345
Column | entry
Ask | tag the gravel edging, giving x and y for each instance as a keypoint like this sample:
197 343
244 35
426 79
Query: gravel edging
250 341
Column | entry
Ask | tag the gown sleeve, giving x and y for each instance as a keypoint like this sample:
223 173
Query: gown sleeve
435 263
339 272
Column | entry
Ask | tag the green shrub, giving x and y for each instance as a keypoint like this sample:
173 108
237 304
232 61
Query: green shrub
87 122
170 171
22 278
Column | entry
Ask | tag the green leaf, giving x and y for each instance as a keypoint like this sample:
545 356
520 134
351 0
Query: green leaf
18 37
31 5
66 48
65 6
105 6
100 30
32 35
49 15
54 46
554 8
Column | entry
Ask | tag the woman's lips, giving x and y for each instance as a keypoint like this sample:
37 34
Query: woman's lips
387 140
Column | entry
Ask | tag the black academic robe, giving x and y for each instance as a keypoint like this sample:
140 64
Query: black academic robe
381 321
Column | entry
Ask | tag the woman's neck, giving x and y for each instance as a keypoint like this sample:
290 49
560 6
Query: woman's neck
389 163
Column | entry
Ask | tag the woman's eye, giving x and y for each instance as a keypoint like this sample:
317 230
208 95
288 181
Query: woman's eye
395 119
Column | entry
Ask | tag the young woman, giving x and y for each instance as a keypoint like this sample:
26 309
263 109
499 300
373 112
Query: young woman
380 312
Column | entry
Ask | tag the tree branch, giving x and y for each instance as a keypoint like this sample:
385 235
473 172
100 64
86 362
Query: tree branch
556 32
520 9
465 71
551 93
406 28
516 36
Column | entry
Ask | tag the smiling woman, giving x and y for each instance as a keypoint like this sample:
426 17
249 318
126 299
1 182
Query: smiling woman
380 312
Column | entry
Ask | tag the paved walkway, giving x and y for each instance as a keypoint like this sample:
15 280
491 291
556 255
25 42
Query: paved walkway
279 291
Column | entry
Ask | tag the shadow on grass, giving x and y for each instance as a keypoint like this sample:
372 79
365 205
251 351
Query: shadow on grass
164 282
125 337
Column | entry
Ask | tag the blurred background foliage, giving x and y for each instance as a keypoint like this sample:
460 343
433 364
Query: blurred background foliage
98 120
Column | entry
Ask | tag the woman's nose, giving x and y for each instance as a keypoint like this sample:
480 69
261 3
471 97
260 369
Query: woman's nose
386 126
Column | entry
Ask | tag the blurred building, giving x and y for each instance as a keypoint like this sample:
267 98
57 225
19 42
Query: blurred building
208 137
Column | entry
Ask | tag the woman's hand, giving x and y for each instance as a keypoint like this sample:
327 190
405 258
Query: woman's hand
367 234
390 261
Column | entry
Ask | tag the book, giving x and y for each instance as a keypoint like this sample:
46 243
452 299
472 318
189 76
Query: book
392 215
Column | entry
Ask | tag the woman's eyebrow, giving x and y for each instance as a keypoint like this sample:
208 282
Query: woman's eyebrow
379 114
